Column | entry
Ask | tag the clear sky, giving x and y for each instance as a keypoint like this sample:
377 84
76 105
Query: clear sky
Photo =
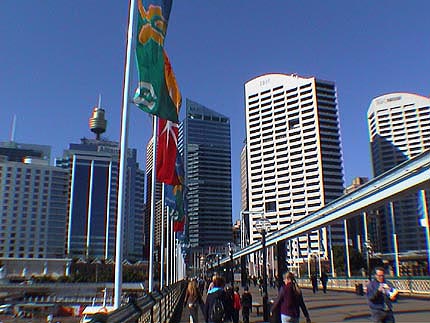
57 56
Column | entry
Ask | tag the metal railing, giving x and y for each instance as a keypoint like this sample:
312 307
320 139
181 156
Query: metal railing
417 286
157 307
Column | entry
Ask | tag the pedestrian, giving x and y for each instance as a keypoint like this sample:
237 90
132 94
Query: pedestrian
201 284
229 304
324 281
236 305
215 302
246 304
380 295
314 281
194 300
290 301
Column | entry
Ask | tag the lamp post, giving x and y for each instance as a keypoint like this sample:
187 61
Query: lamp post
230 253
369 250
263 225
202 265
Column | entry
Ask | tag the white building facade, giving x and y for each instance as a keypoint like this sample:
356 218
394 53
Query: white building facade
399 129
294 161
33 204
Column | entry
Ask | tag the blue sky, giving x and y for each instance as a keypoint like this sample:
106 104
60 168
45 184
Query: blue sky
57 56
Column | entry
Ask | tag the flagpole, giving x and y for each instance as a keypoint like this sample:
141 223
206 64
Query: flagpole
123 160
152 220
168 246
162 278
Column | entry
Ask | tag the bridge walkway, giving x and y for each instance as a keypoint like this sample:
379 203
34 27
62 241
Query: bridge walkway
338 306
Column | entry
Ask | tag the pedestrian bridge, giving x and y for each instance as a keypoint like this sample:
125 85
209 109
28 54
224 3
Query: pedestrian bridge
411 175
338 305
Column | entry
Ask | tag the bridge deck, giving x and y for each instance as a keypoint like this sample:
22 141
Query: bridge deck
338 306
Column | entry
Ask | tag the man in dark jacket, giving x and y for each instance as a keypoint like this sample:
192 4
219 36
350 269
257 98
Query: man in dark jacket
246 304
380 295
215 293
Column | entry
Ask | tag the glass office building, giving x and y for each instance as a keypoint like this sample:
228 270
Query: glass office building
92 210
204 142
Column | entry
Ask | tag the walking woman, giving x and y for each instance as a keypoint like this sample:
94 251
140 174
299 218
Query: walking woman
194 300
290 301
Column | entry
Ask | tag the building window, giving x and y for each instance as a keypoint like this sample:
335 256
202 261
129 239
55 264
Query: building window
270 206
293 123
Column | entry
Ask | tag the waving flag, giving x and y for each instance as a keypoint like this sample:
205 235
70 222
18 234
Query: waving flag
179 226
174 198
157 91
167 148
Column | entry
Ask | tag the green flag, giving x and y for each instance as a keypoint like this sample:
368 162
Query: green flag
157 92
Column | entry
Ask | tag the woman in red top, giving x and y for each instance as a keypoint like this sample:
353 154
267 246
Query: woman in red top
290 300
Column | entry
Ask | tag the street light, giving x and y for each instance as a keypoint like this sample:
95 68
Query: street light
263 225
202 265
230 252
369 251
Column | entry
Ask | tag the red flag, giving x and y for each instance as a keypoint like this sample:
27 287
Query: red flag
178 226
166 152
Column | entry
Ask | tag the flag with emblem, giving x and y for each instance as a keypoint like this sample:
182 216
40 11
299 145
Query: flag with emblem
157 92
167 150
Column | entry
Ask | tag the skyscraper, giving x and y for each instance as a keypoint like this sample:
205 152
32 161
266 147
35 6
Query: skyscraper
399 128
294 160
158 206
204 142
93 166
33 203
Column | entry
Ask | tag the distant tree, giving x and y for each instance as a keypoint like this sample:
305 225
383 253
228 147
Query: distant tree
356 260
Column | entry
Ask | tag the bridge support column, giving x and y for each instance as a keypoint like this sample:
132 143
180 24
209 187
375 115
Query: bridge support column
243 271
281 259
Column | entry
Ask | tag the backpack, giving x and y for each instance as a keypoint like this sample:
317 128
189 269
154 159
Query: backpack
217 312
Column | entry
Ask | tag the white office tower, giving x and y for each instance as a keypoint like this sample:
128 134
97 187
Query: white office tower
399 129
294 161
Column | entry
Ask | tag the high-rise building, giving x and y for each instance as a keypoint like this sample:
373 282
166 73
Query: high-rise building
244 205
92 210
399 129
33 203
20 151
204 142
93 166
243 180
158 206
294 160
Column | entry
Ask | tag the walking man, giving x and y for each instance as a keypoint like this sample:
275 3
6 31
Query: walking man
246 304
381 294
324 280
314 281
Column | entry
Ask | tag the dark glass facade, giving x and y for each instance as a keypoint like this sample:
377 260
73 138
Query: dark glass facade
204 142
93 167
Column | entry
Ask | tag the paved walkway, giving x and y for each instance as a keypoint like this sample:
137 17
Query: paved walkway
336 306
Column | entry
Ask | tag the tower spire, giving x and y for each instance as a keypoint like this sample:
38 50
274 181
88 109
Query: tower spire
98 122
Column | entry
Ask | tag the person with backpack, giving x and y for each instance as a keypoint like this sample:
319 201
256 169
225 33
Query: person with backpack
228 304
215 302
290 301
246 304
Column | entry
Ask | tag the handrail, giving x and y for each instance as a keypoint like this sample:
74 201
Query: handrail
412 173
156 307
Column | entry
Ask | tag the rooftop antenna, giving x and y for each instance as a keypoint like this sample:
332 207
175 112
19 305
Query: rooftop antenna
98 122
12 131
